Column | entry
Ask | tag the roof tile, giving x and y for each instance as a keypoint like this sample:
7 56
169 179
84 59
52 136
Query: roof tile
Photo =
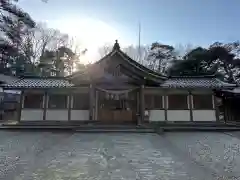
173 82
39 83
191 82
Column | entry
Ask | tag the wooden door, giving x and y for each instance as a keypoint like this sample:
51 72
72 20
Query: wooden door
122 116
116 110
105 115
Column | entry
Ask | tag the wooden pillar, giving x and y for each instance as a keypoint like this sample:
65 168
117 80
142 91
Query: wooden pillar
69 106
215 106
190 102
91 100
72 99
96 105
20 106
224 109
142 106
229 117
165 105
138 106
230 111
45 105
226 118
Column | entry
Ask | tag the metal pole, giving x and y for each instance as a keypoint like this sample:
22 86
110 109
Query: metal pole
139 43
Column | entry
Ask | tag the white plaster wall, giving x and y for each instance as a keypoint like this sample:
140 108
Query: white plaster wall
79 115
32 115
156 115
57 115
204 115
178 115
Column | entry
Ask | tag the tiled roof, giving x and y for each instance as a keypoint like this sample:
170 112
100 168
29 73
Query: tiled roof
173 82
195 82
128 61
39 83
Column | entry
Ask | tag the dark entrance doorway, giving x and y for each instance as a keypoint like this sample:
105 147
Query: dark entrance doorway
117 106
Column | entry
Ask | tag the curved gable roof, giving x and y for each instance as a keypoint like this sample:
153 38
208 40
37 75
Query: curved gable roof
129 64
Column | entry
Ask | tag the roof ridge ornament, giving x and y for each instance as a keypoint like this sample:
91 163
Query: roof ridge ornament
116 45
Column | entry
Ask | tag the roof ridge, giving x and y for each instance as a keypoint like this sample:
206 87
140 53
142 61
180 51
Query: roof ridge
194 76
150 70
153 73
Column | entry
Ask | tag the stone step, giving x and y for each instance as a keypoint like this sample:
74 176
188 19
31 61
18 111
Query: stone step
36 127
133 130
117 130
66 123
120 125
78 126
77 129
124 125
165 129
179 124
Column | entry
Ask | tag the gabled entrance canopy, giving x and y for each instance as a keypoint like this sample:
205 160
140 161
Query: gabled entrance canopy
117 67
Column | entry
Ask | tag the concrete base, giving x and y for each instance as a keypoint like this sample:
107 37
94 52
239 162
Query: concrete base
80 129
96 126
125 129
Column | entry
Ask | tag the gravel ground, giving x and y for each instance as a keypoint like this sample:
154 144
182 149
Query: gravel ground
70 156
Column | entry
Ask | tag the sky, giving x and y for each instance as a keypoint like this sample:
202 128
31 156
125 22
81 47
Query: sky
94 22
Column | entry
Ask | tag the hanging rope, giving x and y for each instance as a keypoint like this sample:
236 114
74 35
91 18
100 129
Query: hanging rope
118 92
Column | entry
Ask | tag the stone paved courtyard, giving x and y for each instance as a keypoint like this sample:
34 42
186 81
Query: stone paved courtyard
70 156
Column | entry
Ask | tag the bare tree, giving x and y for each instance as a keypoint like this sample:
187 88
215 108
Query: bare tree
42 38
47 38
105 49
183 49
132 51
138 54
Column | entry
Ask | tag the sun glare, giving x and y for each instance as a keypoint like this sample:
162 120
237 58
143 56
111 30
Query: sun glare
91 34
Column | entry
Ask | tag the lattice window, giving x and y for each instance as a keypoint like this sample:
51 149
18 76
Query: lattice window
57 101
33 101
178 102
203 102
153 101
81 101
